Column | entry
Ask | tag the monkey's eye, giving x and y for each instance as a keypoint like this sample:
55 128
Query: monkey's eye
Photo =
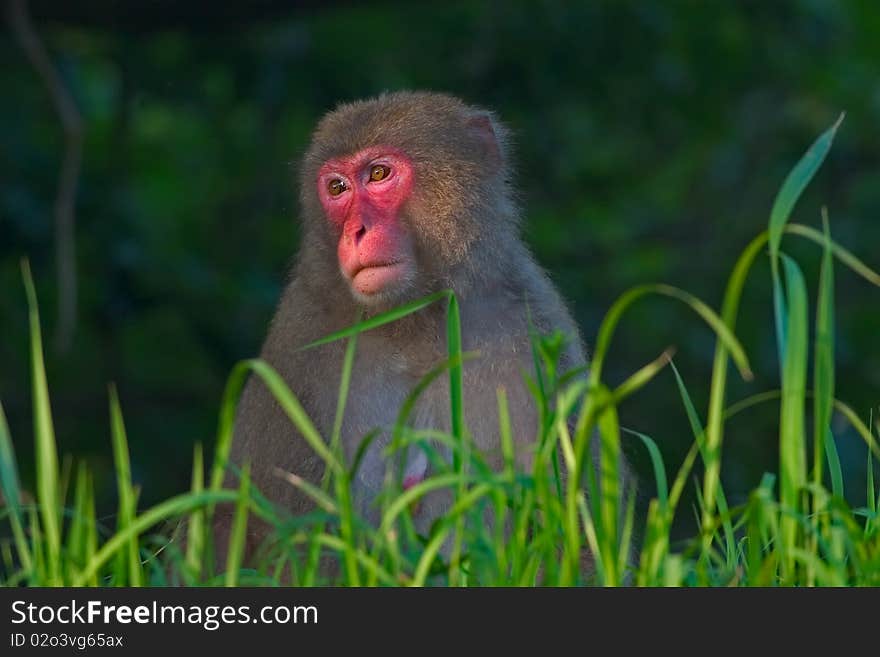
336 186
379 172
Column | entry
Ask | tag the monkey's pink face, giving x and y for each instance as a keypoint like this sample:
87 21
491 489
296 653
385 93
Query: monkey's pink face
362 195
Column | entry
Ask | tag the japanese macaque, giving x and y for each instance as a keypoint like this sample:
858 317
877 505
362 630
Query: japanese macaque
402 195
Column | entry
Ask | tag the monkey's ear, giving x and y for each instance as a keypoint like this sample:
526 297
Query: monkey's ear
481 125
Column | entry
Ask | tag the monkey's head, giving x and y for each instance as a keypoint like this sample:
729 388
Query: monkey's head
401 188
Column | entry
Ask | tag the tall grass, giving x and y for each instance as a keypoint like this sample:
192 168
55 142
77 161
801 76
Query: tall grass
793 531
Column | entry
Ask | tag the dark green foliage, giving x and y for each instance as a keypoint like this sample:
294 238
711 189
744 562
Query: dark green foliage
650 141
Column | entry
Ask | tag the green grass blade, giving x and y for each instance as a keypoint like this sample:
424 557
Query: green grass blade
364 560
451 517
9 487
592 537
322 499
341 481
792 447
127 509
681 477
381 319
613 316
341 400
700 438
460 458
673 571
40 574
792 188
91 540
727 346
654 546
174 506
718 386
289 404
843 256
44 438
834 468
453 348
644 375
780 312
77 530
658 467
609 476
411 495
870 496
626 534
238 534
823 357
859 426
505 433
195 544
795 183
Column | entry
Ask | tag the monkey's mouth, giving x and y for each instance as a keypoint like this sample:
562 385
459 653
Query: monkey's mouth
376 277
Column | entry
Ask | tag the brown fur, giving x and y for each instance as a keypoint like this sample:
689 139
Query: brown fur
465 224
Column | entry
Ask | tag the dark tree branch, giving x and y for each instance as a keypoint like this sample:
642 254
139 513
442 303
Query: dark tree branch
65 200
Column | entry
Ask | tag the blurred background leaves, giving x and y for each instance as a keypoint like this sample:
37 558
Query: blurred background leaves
650 140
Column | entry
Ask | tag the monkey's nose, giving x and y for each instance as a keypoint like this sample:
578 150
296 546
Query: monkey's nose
355 230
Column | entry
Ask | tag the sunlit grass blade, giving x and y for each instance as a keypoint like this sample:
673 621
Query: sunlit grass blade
196 528
700 439
369 564
238 535
718 386
792 447
406 499
75 542
823 356
341 481
453 349
860 427
460 458
613 316
842 255
341 400
321 498
640 378
673 571
657 465
654 546
346 527
127 508
451 517
289 404
91 538
40 574
609 476
591 537
727 346
64 478
834 467
44 438
171 507
626 534
871 499
501 498
823 376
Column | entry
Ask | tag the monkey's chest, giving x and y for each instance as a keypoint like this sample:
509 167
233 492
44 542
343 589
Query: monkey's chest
382 390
